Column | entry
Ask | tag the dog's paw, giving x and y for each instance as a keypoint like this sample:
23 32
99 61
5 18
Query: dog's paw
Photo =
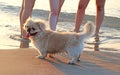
40 57
50 55
71 63
78 60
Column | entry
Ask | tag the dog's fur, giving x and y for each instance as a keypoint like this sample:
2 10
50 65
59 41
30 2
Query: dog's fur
48 41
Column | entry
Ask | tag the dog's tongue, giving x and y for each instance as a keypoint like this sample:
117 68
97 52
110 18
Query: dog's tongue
27 35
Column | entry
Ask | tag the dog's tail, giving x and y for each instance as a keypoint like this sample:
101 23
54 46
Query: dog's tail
89 29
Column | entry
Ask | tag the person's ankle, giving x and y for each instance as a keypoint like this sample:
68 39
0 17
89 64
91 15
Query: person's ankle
24 43
77 31
25 40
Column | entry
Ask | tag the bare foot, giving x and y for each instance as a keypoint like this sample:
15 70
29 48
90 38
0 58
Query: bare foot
96 45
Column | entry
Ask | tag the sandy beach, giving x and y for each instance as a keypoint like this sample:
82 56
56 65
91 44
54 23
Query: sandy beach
24 62
16 61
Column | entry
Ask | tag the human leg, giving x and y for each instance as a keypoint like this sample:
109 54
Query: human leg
100 14
99 19
20 16
60 6
25 12
80 14
55 8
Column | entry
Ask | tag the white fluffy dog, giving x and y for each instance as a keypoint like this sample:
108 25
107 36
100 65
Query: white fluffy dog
48 41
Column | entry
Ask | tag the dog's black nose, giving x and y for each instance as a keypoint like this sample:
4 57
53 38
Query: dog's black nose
28 30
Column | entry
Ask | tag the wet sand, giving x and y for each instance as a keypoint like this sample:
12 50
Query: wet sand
24 62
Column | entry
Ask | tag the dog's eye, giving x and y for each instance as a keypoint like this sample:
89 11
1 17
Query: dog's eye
26 26
33 28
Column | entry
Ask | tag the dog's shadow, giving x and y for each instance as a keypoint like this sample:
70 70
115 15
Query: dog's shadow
61 64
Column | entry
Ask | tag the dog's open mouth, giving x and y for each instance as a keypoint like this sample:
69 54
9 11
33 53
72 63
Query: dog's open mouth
30 34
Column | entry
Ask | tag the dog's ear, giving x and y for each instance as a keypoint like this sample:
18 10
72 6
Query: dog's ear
41 25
